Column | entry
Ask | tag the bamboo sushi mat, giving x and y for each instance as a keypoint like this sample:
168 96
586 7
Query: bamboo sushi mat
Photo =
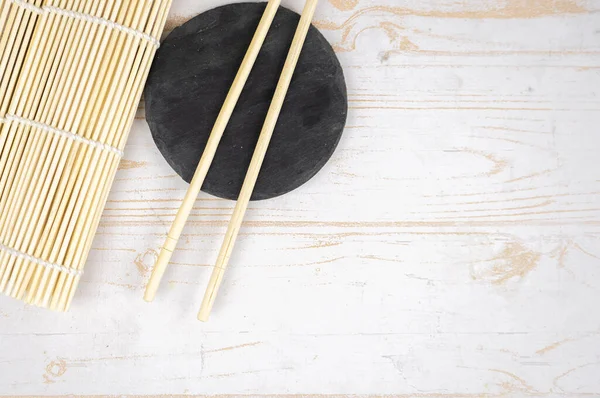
71 77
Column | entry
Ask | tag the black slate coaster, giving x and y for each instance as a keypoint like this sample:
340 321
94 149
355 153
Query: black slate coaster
190 78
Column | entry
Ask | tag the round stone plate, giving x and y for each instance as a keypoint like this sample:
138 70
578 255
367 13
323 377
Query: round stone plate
189 80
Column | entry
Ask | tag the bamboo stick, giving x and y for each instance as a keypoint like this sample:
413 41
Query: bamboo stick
257 159
65 233
61 146
90 76
30 196
86 199
63 230
57 212
210 150
9 75
26 166
134 86
56 79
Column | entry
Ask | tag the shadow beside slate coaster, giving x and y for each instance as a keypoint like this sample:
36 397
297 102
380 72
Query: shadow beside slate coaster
190 78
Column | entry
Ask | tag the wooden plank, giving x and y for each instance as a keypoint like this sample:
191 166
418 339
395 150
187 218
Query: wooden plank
449 249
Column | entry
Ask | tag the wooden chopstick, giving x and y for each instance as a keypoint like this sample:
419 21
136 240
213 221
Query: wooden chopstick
211 148
257 159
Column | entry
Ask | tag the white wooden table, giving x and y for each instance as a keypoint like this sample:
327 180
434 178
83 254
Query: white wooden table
450 248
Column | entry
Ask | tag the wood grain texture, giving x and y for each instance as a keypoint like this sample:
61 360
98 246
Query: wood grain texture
449 249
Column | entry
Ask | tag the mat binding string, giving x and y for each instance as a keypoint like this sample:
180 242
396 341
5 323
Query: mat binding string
39 261
62 133
88 18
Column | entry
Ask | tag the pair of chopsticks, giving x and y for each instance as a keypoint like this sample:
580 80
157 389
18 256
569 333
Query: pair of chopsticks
255 164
